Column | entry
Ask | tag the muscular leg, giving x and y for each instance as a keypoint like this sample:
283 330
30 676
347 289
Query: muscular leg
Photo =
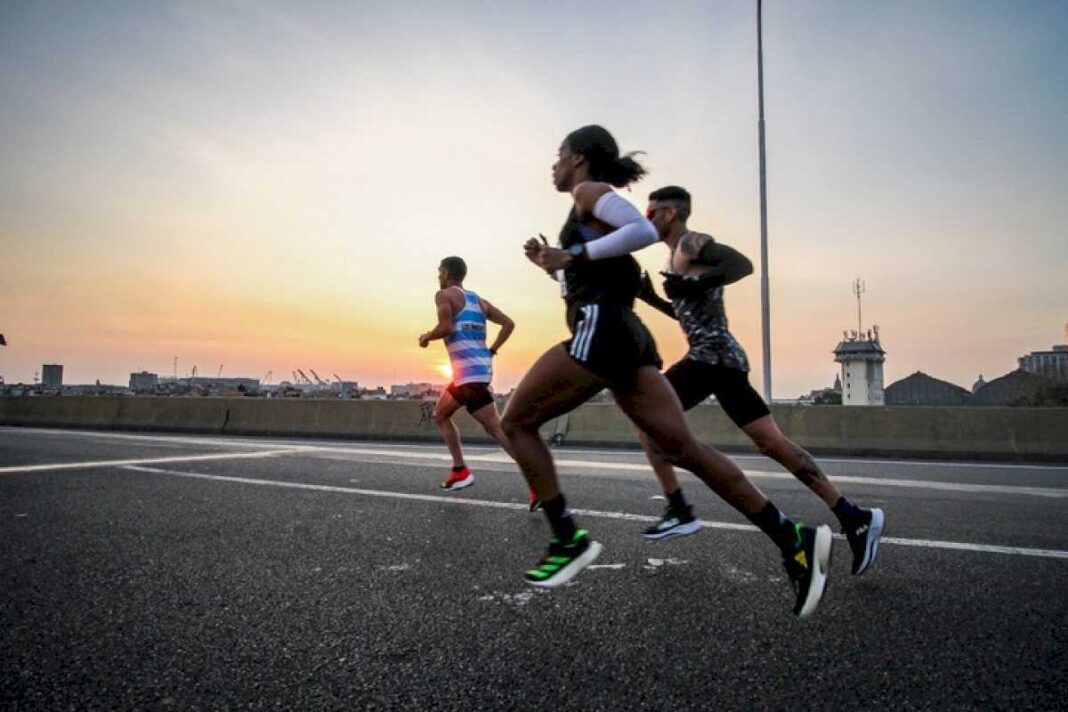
772 442
652 405
443 411
665 473
491 422
554 385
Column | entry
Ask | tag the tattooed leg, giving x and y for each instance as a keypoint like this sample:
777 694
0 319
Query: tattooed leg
773 443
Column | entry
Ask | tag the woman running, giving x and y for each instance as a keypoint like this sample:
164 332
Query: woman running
611 348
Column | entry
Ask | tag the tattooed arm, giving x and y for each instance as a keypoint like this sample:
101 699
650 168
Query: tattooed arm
706 257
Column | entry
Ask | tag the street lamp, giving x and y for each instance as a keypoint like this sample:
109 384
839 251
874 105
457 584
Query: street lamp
765 299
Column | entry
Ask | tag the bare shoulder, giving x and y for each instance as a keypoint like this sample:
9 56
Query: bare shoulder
692 242
452 296
587 194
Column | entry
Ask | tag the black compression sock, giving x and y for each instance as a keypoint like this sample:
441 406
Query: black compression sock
845 511
677 500
458 468
560 520
776 525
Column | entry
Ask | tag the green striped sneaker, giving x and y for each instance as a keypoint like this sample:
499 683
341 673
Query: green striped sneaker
564 560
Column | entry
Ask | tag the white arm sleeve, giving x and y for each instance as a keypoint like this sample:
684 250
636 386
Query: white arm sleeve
633 231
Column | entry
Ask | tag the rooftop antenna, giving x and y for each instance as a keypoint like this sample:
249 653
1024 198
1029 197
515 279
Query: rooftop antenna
858 289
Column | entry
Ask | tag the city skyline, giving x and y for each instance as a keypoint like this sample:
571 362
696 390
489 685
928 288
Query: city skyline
444 373
270 187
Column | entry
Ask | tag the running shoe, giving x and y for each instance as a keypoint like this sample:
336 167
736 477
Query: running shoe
563 561
458 480
807 564
535 503
673 523
863 536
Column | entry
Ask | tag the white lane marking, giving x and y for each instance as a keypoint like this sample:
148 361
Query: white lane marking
986 548
942 463
141 461
444 499
249 442
1051 492
259 442
855 460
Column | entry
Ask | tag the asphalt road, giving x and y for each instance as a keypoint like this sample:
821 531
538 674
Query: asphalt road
191 572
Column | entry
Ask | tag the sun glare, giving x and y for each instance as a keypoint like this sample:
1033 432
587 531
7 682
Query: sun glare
445 369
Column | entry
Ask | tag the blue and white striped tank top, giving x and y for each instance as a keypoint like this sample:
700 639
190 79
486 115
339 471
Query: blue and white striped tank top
471 358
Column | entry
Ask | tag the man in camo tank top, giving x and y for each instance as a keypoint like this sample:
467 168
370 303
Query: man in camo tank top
716 364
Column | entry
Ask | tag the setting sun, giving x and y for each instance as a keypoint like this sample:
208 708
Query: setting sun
445 369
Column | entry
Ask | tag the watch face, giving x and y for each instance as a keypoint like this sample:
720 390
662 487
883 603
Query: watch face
576 250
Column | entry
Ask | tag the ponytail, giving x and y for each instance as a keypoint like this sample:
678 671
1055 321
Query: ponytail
600 150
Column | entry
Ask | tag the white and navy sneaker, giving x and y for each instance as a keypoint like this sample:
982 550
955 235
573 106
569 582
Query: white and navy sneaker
673 523
863 537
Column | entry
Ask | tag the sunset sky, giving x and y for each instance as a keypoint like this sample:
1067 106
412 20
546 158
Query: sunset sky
271 185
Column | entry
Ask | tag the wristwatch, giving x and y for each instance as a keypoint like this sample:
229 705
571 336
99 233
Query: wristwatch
578 252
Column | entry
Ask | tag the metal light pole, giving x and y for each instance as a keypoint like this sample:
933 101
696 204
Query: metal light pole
765 299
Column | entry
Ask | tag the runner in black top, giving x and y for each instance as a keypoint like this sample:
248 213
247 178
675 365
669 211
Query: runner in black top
715 364
611 348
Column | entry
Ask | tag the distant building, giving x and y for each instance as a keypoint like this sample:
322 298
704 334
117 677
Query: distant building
1019 387
249 384
94 389
143 382
52 375
414 390
1050 364
346 389
978 384
824 396
862 367
921 389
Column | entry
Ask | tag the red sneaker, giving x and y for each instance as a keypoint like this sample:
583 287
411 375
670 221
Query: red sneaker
458 480
535 503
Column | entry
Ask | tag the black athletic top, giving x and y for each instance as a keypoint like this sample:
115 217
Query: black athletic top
614 280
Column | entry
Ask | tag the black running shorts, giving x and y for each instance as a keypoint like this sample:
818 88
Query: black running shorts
611 341
473 396
694 381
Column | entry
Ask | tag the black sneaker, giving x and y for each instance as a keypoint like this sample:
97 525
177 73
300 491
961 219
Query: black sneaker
807 566
564 560
863 536
673 523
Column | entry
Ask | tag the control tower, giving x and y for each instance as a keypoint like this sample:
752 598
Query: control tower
862 357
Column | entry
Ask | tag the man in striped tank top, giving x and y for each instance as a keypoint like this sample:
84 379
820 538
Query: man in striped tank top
462 317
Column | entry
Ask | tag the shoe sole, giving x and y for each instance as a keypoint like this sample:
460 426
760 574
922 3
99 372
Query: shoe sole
821 564
571 570
465 482
680 530
871 549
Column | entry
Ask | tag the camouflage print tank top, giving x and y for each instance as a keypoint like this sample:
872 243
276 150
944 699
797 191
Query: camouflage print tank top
704 319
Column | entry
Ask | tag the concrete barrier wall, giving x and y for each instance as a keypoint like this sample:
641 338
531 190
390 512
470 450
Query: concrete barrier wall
901 431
